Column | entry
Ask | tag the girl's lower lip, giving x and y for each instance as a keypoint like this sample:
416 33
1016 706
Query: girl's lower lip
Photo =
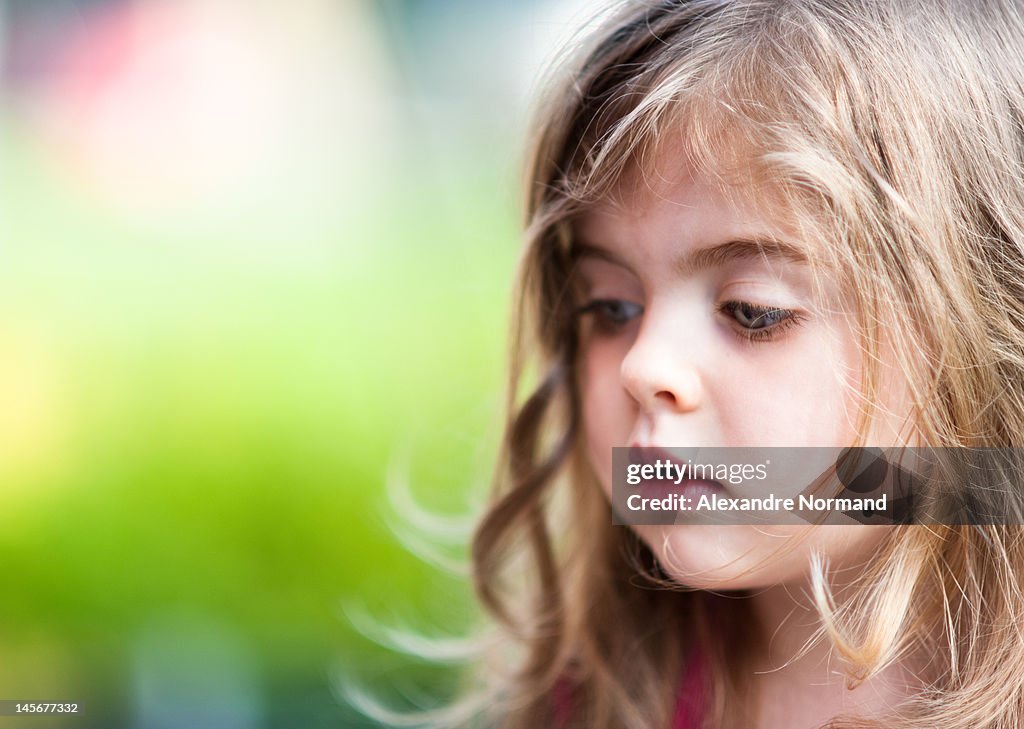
689 488
694 489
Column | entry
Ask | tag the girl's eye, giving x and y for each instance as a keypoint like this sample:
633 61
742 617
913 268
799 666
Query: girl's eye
756 322
611 313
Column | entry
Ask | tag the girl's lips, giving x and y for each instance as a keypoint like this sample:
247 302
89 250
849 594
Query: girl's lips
639 453
694 489
675 470
688 488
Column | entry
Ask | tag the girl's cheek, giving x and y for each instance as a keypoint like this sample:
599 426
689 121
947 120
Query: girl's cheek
608 410
788 393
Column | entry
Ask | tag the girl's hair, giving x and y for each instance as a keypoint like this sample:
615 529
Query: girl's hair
894 130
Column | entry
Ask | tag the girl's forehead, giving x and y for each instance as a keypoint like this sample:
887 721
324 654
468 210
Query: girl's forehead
727 171
677 199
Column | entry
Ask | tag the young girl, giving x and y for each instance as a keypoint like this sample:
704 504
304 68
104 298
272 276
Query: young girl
764 223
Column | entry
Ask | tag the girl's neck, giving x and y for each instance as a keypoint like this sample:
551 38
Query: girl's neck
798 677
789 623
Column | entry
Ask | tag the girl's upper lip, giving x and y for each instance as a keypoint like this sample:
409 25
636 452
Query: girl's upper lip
645 453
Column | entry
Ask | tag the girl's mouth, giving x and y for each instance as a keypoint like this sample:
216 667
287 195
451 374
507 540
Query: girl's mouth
664 473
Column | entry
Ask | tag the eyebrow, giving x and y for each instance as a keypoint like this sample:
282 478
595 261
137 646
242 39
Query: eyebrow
740 249
710 256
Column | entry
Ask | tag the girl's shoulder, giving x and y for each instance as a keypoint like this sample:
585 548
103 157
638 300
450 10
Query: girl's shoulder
690 698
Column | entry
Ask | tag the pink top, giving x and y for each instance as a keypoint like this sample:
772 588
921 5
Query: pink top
689 702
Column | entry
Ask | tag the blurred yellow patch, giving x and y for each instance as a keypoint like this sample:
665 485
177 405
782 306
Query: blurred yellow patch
34 417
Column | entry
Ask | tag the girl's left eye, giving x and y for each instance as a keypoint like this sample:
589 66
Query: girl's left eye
758 322
611 314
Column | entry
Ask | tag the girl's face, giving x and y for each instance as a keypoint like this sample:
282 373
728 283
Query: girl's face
701 327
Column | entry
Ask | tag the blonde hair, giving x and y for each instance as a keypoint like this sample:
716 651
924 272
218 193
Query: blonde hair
895 131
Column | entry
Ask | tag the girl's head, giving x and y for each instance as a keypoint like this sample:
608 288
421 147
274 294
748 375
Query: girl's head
701 322
761 223
869 152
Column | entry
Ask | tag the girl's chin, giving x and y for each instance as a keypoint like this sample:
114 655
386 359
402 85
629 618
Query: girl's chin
727 557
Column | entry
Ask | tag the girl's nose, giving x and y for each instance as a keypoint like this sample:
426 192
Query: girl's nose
660 377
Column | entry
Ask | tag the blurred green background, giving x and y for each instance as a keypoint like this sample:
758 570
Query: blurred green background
254 266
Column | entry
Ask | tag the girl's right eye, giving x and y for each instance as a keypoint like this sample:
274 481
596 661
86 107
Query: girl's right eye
611 313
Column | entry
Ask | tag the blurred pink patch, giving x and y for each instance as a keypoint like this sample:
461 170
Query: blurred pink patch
161 105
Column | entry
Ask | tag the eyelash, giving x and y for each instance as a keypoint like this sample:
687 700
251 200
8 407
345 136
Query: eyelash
609 314
754 313
611 317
